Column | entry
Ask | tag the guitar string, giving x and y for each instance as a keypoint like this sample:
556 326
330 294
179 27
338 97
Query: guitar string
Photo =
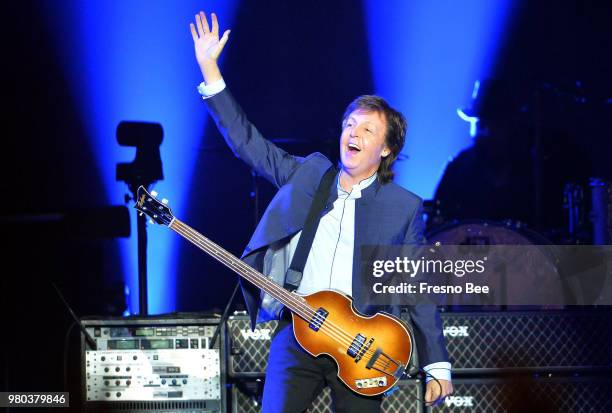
278 289
233 263
217 251
287 295
380 364
229 259
226 258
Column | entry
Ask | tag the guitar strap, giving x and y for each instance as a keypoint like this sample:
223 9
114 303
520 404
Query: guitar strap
294 273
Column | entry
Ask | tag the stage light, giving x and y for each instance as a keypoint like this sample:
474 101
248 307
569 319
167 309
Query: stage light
425 57
133 60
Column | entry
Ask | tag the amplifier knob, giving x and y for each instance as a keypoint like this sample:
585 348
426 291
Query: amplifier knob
135 357
127 383
103 358
106 369
128 369
106 382
173 381
118 394
117 382
163 381
107 394
117 369
184 381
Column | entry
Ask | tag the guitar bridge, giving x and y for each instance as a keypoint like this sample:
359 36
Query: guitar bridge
318 319
380 361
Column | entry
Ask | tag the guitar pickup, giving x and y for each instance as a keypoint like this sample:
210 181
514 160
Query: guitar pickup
356 345
364 349
318 319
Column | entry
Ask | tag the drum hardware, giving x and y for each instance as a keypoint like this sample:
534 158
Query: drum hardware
574 202
588 224
600 198
485 233
573 198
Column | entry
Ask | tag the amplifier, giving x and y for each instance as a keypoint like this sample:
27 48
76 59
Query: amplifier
153 364
477 342
494 342
248 350
554 340
407 398
246 398
528 395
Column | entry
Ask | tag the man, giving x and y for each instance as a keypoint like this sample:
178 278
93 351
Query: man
364 207
511 172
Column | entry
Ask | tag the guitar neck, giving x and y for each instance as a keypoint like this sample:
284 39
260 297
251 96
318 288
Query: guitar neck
292 301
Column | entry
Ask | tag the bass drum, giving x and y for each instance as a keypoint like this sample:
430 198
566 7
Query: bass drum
524 278
477 232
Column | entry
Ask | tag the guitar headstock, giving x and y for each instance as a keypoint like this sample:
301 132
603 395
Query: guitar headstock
148 204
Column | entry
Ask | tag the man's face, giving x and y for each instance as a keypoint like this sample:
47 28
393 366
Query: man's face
362 143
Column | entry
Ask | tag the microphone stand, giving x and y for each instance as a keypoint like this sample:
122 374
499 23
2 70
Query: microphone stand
141 225
145 170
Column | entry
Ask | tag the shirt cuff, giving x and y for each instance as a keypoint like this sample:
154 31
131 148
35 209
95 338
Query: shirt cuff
440 371
212 89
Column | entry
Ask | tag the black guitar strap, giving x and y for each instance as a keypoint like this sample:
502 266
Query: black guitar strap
293 277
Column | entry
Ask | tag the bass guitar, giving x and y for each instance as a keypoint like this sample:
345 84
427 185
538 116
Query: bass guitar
372 352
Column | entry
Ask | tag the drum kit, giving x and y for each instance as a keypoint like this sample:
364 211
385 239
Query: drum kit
540 109
588 222
587 206
535 268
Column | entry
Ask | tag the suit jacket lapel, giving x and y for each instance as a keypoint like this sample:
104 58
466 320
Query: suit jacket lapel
333 195
365 225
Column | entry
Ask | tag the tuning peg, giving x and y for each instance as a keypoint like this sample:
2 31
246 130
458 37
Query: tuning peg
165 201
154 193
151 221
140 214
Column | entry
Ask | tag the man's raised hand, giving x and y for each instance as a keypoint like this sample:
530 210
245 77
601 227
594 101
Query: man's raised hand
208 46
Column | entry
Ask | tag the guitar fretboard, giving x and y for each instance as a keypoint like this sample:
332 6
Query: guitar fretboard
292 301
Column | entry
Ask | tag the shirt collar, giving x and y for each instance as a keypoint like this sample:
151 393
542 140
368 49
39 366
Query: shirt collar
357 188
